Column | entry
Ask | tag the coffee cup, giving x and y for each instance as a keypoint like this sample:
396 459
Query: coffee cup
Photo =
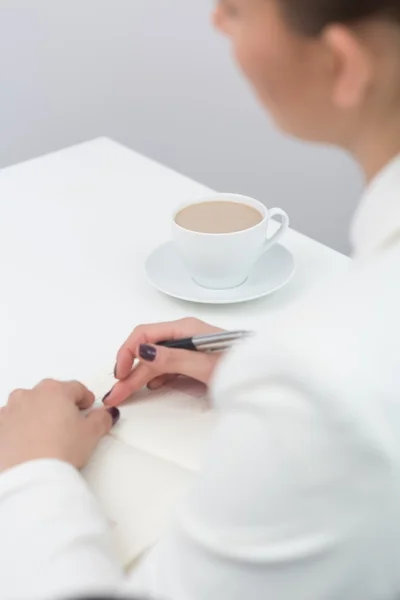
222 236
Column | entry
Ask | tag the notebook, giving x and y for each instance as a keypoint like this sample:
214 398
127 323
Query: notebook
141 470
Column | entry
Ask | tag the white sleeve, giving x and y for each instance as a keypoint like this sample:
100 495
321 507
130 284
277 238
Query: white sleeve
273 513
279 511
53 537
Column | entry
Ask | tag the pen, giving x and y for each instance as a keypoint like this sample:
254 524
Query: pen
216 342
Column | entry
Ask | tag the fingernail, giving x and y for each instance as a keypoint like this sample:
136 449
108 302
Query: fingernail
115 414
147 352
115 370
106 396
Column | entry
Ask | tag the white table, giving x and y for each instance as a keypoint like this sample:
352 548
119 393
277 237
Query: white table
75 229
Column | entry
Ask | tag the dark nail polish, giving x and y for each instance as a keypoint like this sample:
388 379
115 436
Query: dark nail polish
147 352
115 414
106 396
115 370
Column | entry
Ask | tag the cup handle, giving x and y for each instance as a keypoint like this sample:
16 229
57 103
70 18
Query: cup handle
276 212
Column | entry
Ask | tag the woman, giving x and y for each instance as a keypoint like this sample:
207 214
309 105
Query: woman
300 495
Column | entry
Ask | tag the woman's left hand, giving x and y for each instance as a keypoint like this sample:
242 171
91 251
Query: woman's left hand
47 422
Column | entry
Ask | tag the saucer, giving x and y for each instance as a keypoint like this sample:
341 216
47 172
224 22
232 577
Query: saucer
167 273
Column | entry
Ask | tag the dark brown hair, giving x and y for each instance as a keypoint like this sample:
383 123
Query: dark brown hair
312 16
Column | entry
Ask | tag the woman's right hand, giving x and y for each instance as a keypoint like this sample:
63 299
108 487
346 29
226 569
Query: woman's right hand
157 365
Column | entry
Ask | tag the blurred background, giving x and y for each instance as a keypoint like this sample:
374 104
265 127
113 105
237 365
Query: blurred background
154 75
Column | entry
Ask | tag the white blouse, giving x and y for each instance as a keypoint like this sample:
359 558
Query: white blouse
299 498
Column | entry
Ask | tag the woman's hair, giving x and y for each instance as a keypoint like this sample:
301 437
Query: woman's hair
311 16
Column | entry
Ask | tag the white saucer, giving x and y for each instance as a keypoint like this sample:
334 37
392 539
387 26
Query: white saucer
167 273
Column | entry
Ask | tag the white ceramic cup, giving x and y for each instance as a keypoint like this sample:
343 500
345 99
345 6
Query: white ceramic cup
224 260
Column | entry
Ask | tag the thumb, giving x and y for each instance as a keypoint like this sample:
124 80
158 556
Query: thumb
173 361
100 421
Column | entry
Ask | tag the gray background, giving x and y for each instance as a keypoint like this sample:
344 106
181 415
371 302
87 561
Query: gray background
155 76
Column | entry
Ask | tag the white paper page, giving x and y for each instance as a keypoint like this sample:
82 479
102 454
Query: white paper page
138 493
141 470
172 423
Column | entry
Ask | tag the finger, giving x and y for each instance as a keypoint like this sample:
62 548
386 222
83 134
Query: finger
80 394
140 377
123 390
153 333
160 381
99 423
144 334
167 360
74 390
17 396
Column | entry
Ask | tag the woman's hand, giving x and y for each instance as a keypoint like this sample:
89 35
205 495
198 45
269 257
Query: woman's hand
158 365
47 422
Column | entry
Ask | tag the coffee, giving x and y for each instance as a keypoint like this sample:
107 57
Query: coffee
218 217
